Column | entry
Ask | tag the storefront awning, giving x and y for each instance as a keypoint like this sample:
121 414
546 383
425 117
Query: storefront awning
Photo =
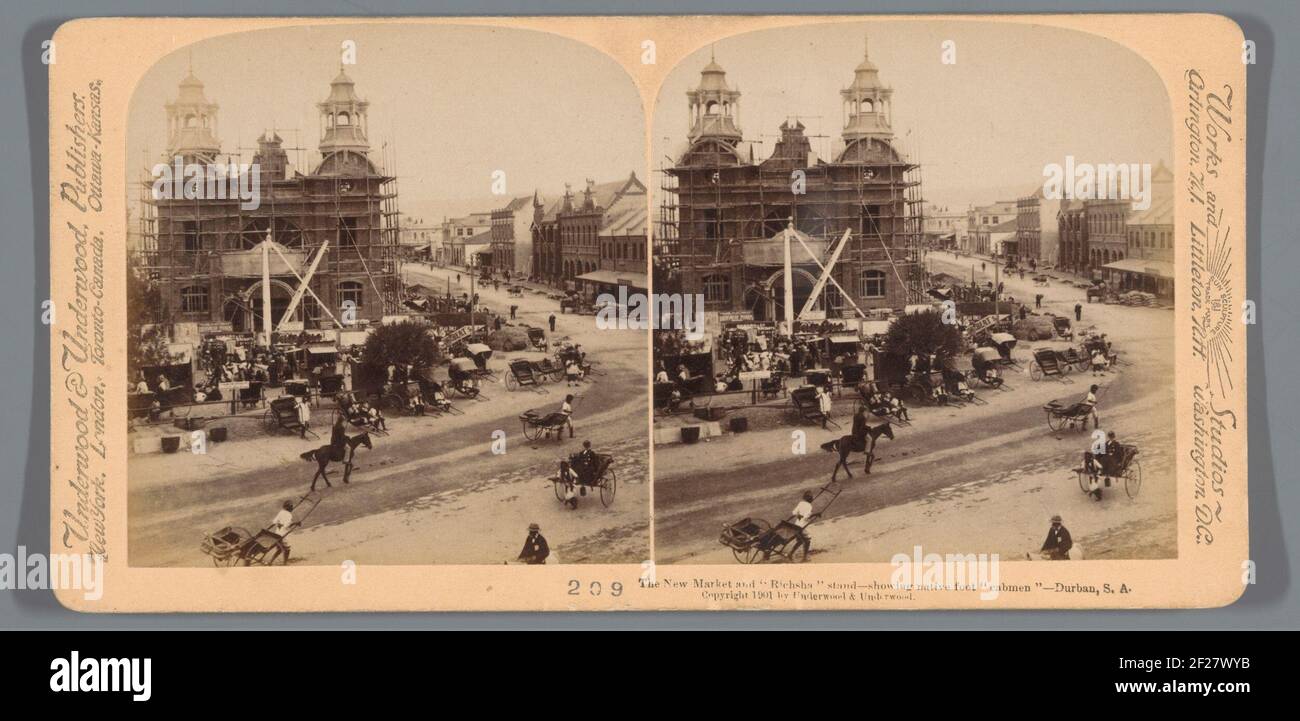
610 277
1153 268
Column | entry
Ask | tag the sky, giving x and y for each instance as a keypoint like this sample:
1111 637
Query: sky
454 104
1018 97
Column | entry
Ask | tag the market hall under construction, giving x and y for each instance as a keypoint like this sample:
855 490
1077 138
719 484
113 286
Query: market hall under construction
319 249
850 230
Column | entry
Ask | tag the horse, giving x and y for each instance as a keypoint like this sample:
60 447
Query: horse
325 454
846 445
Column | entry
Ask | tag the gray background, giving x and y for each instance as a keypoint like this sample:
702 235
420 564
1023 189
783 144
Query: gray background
1274 415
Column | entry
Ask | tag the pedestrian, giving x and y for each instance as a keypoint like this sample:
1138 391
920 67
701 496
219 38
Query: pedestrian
1078 312
513 308
535 548
824 404
1058 543
551 320
981 267
1038 301
304 415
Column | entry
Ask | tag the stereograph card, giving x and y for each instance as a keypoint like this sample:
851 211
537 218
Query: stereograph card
652 313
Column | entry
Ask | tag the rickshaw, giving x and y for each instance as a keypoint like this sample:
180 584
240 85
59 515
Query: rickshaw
235 546
435 393
537 424
1062 415
480 353
398 397
600 476
463 375
754 540
1005 343
985 370
1048 362
1126 466
537 339
282 413
1062 326
1095 344
522 373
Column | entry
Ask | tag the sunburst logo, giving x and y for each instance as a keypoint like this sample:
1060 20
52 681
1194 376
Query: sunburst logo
1215 320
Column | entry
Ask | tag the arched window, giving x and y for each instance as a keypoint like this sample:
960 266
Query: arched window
717 288
351 290
194 299
873 284
344 120
189 121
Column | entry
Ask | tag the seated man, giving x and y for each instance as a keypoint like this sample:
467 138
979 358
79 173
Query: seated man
896 408
439 399
963 390
1104 465
374 417
415 404
535 550
584 464
674 400
1099 361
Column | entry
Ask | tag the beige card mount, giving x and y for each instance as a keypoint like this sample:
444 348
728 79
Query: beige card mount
654 313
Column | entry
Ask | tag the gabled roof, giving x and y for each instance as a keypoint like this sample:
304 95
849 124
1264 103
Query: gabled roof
1161 212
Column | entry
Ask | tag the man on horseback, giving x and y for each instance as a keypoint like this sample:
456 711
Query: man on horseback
861 440
325 455
338 439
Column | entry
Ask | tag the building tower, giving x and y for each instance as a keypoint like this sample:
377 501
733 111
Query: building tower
192 123
270 159
868 110
343 121
714 119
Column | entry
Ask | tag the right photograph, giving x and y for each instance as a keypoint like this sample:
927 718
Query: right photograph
926 283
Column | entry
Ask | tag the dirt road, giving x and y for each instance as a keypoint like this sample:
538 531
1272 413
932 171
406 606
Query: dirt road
432 491
974 479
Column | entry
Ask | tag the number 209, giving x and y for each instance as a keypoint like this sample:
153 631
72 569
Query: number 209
594 588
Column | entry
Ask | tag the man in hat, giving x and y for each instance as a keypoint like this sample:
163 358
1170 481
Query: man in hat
535 549
1101 464
1058 543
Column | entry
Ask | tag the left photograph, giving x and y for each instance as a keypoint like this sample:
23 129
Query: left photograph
364 271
